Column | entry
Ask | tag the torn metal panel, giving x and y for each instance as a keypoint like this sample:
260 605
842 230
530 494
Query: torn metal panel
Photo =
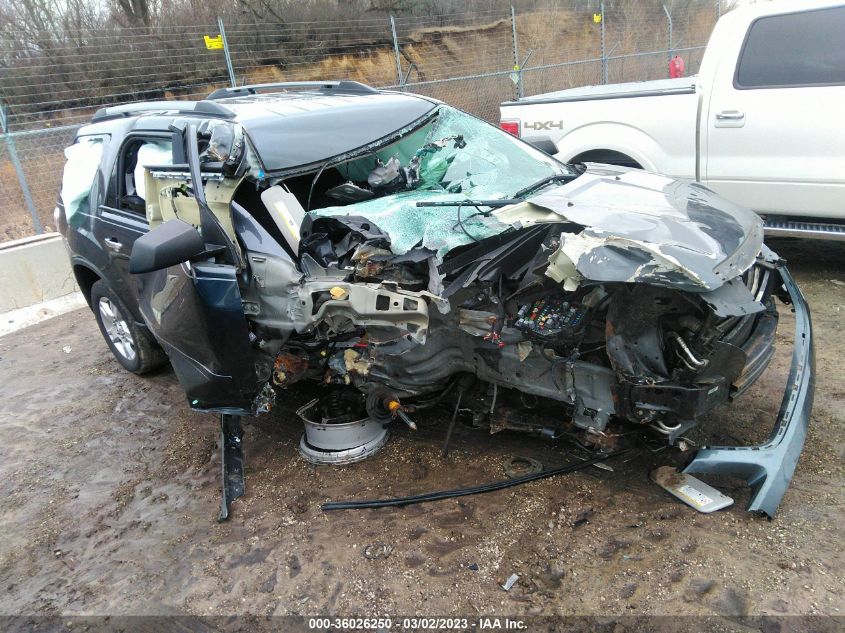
271 295
231 461
504 255
690 490
733 298
768 467
641 227
562 263
476 322
288 301
403 313
328 239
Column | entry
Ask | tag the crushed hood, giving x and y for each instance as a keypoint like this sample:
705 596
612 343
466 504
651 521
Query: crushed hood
642 227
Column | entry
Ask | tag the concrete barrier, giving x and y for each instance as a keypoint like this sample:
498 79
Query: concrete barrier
34 270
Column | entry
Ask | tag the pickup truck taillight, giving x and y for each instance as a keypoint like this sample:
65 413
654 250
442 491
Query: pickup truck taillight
511 127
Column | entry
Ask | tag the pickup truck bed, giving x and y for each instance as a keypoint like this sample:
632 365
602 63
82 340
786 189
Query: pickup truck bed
636 141
656 88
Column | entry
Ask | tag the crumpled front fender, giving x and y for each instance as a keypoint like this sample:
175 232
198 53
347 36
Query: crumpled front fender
768 467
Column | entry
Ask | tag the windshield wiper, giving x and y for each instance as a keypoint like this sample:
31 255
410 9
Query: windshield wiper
505 202
470 203
545 181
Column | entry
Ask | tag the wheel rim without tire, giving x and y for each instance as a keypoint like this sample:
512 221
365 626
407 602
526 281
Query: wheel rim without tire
117 329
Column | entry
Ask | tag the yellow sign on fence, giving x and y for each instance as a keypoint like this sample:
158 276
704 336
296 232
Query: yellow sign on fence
597 18
213 43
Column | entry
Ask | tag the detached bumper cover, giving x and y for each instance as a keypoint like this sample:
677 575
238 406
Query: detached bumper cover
768 467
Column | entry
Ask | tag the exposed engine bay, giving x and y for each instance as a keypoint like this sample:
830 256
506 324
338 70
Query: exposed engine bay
650 355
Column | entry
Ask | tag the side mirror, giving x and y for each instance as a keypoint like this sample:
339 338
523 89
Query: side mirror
166 245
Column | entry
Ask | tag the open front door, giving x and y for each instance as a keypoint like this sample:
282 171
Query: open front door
190 300
195 312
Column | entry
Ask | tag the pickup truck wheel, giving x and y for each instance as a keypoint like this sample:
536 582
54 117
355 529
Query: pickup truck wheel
133 347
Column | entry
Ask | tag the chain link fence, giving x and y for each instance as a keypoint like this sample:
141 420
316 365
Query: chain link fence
473 60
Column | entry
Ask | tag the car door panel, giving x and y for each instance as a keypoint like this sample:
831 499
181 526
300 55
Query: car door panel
116 231
774 143
779 158
195 313
117 227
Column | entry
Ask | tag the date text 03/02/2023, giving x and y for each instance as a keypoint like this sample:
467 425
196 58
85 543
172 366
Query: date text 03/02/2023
416 623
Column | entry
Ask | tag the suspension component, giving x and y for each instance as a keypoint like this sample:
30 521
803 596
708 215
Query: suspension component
384 406
397 411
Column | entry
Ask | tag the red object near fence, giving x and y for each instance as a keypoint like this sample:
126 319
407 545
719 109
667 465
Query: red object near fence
676 67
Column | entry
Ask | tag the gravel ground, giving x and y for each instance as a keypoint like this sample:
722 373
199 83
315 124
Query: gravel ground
111 495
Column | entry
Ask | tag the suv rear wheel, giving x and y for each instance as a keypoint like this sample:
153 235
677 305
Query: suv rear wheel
132 346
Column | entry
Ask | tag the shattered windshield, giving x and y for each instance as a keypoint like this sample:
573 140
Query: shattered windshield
454 157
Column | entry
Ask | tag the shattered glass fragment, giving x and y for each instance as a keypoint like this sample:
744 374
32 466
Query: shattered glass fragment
455 157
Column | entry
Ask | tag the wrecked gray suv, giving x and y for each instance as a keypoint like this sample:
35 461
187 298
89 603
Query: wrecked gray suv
402 253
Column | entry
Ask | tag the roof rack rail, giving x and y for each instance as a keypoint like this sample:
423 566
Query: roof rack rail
131 109
338 87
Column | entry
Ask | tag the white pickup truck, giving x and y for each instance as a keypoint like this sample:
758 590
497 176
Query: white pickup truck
763 122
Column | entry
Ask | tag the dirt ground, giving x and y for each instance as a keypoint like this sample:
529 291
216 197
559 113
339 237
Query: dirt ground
111 492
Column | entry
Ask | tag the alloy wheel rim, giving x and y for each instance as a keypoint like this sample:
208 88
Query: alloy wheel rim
117 329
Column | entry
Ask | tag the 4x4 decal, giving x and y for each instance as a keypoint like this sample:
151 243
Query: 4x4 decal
543 125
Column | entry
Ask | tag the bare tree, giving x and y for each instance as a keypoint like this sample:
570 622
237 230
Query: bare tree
132 13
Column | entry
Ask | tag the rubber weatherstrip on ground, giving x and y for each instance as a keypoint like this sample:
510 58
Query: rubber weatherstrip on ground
463 492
